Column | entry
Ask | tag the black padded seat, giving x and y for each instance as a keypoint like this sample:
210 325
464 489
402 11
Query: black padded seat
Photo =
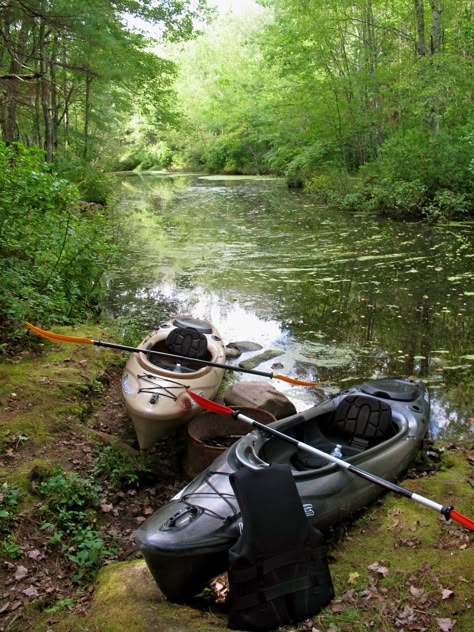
363 418
189 342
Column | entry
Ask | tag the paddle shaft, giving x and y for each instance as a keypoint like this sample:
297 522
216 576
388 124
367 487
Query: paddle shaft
173 356
113 345
373 478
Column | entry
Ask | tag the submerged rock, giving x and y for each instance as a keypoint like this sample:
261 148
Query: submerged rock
244 345
251 363
231 352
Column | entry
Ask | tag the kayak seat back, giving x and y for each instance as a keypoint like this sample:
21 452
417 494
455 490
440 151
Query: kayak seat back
363 421
203 326
182 341
189 342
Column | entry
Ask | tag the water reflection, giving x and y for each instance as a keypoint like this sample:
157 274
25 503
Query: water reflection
343 296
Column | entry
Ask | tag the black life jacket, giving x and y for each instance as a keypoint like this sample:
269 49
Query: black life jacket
278 571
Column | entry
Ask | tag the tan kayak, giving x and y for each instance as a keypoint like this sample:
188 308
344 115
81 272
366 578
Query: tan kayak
153 387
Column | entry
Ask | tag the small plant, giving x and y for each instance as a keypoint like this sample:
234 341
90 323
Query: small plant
10 496
10 548
69 492
60 605
88 549
119 468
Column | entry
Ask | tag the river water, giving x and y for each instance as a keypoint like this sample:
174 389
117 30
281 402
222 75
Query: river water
342 296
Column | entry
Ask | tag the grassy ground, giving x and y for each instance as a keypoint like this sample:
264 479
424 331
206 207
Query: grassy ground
397 567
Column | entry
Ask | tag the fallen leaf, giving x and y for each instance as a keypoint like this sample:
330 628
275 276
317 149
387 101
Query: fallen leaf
106 508
34 554
337 605
31 591
4 607
353 577
406 616
349 595
446 593
21 573
379 568
416 592
445 625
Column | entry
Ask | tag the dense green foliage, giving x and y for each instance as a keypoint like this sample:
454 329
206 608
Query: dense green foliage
72 72
367 103
53 249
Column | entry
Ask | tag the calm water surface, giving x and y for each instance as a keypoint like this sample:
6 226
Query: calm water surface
343 296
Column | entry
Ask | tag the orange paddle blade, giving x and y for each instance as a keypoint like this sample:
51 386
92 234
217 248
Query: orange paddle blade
293 380
59 337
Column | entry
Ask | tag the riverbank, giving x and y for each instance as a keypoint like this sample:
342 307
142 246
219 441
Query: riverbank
398 566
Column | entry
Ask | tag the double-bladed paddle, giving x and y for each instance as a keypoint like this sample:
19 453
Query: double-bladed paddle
112 345
448 512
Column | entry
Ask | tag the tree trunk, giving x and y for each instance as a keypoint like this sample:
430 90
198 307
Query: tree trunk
420 27
54 96
43 54
87 116
10 83
436 31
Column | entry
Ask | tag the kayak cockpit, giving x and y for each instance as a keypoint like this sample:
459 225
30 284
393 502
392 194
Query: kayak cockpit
358 424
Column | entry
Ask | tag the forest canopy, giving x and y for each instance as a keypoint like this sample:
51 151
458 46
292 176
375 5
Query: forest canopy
73 71
367 103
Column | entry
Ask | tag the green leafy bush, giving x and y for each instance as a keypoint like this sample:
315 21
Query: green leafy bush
69 493
119 468
418 174
53 248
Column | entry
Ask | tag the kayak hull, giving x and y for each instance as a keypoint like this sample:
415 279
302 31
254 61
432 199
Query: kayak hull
186 542
153 387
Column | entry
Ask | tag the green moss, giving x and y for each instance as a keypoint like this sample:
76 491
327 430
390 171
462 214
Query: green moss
41 395
127 598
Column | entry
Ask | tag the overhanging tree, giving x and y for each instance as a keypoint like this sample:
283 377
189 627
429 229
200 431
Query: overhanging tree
66 63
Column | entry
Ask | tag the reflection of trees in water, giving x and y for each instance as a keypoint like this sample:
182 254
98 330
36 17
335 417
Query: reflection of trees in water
143 311
391 292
